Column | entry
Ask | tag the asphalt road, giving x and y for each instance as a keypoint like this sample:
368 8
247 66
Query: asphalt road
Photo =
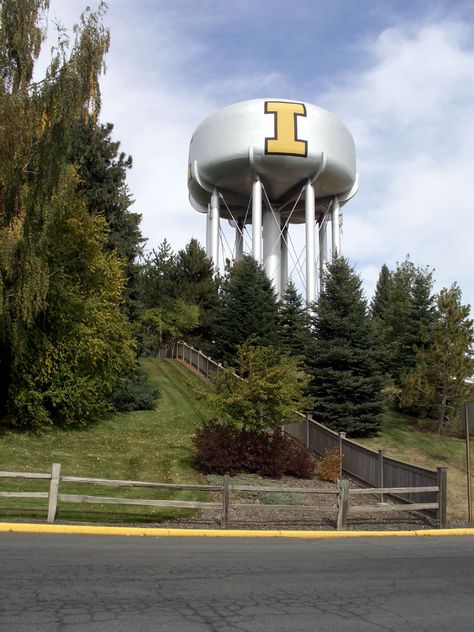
68 583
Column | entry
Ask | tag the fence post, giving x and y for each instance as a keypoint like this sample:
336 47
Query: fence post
442 475
342 503
307 431
342 435
199 364
381 477
225 501
53 491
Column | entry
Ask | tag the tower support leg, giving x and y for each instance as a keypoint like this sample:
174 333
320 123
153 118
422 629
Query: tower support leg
336 231
214 213
323 250
284 258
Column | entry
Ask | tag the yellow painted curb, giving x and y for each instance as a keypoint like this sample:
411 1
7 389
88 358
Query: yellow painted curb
6 527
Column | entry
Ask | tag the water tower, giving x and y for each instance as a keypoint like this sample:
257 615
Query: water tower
269 163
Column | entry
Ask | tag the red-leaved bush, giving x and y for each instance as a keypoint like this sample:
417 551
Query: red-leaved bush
222 449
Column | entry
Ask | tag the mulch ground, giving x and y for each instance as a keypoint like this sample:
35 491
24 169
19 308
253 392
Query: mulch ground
258 513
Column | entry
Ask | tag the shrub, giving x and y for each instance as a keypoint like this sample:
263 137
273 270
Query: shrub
300 460
218 449
222 448
135 392
329 466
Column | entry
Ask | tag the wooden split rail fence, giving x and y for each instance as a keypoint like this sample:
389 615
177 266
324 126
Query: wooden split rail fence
341 493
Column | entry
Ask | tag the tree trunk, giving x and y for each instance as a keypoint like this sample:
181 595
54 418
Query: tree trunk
442 414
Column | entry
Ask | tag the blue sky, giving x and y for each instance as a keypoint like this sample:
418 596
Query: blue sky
400 75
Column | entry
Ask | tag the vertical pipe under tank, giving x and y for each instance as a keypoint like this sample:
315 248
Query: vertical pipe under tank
272 248
257 220
239 240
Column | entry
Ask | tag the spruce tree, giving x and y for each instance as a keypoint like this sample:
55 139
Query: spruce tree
196 285
344 361
247 309
102 170
158 278
402 306
382 295
293 323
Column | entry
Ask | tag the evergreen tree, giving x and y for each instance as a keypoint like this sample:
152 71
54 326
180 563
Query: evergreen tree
382 295
196 285
102 170
158 278
402 306
293 323
247 309
438 385
344 361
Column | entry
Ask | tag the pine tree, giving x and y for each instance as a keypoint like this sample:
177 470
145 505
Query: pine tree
402 306
102 170
196 285
438 384
382 295
158 278
293 323
247 309
344 361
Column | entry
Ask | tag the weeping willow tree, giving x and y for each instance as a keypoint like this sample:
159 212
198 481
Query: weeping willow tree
64 342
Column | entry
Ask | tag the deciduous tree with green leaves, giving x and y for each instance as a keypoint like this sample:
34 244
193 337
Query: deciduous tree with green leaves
438 384
80 345
263 390
64 342
159 327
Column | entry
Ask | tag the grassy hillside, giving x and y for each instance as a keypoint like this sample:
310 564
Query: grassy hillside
148 445
402 440
156 446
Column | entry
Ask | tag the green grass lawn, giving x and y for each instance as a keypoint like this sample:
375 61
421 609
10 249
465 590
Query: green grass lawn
156 446
147 446
402 440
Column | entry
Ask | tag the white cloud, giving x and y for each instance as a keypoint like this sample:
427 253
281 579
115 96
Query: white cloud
411 116
410 111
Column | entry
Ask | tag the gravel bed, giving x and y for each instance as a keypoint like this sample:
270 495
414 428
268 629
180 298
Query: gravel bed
287 519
